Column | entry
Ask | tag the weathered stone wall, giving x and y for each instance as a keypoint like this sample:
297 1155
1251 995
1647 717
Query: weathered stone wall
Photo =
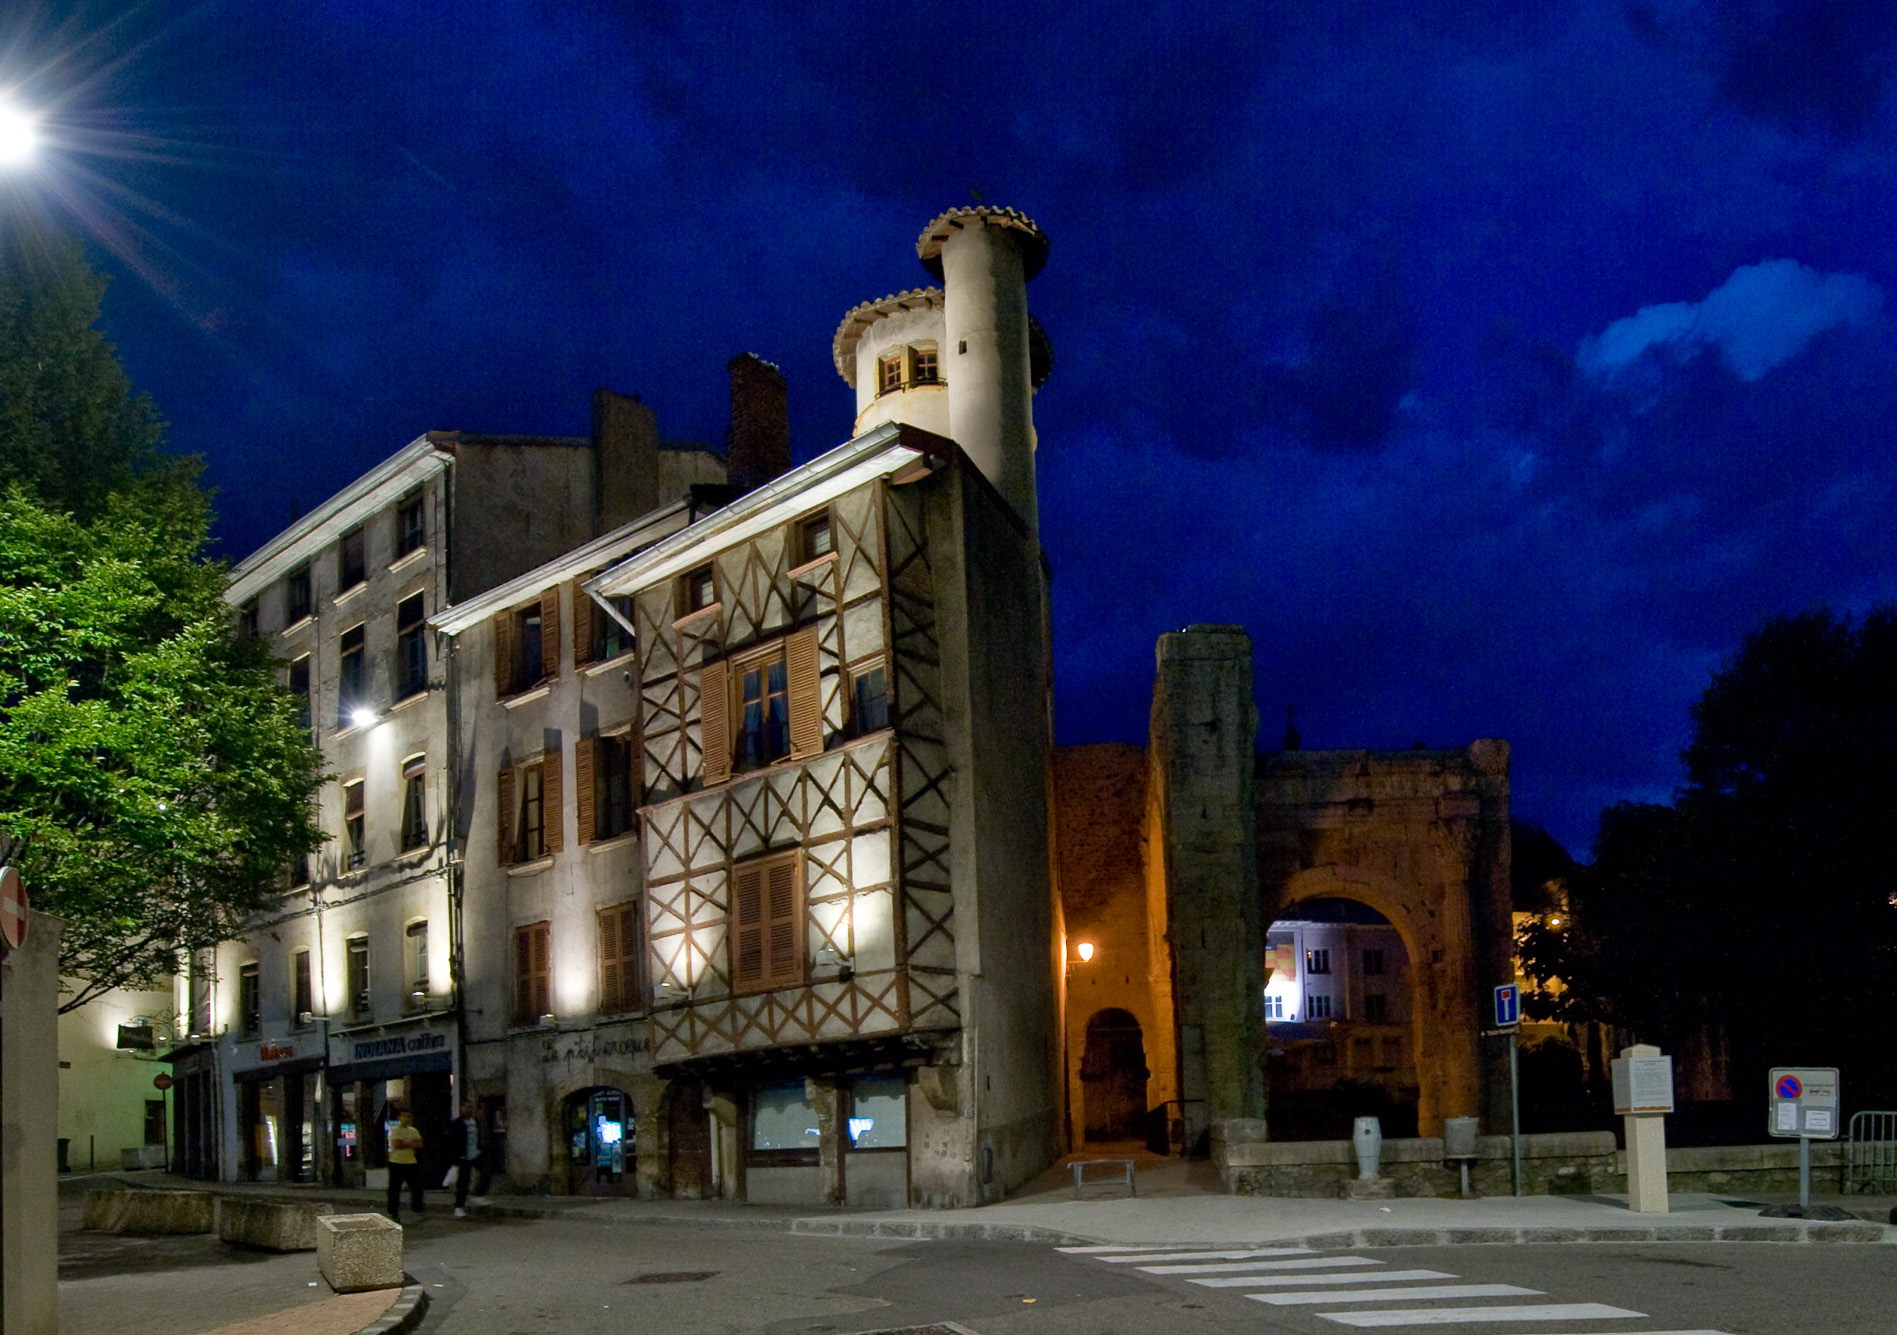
1572 1163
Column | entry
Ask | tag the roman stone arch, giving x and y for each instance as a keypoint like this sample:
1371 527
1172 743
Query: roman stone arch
1445 1014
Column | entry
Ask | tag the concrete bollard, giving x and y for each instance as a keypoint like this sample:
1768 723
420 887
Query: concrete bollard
149 1212
355 1252
271 1226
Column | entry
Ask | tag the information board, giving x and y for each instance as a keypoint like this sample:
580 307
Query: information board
1642 1085
1803 1103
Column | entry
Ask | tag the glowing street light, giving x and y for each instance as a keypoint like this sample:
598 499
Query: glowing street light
19 136
362 716
1085 951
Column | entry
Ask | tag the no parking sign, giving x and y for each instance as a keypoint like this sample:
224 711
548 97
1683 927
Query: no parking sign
1804 1103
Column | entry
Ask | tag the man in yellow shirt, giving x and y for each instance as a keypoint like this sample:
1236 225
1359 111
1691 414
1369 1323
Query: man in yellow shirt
405 1142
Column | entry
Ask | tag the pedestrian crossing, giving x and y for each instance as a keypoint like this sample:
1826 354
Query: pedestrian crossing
1303 1277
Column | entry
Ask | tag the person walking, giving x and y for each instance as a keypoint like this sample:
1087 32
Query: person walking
405 1143
465 1140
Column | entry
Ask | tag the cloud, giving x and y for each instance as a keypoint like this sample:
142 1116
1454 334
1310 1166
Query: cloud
1759 318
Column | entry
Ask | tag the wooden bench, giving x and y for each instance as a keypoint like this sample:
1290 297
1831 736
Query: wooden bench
1080 1167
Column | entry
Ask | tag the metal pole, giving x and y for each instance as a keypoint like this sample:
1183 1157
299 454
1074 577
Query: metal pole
1804 1175
1515 1111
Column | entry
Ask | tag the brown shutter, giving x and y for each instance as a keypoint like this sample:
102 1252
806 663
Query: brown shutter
610 983
786 961
584 761
504 818
582 625
747 954
552 817
714 700
806 701
543 1002
550 633
503 655
523 975
629 937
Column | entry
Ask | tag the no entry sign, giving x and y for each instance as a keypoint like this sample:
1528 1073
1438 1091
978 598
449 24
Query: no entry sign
12 909
162 1081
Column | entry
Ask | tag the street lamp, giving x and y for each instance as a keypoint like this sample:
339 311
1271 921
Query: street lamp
1085 951
18 135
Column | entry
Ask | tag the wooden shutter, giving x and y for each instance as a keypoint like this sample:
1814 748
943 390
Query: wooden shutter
584 764
504 818
805 699
503 655
582 625
714 733
542 993
785 910
531 1000
618 959
552 817
550 633
747 926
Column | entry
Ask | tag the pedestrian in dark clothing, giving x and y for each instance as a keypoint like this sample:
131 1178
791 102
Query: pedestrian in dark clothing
466 1145
405 1143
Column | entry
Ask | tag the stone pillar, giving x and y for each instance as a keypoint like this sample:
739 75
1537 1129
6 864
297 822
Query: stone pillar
1646 1151
29 1132
1204 739
985 357
832 1134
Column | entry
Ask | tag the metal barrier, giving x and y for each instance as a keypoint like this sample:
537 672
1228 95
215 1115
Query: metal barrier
1870 1155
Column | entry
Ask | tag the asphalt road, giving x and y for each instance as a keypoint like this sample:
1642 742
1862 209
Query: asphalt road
525 1278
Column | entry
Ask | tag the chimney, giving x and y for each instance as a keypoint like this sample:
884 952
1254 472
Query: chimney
757 446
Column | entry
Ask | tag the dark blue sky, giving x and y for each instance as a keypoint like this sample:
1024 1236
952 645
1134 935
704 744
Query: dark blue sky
1498 363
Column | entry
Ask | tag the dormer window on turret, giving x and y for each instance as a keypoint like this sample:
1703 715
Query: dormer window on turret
901 367
889 373
926 371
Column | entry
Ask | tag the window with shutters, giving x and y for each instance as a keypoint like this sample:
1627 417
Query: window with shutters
528 811
889 373
763 713
598 635
532 994
767 923
605 801
619 959
927 370
533 813
527 645
758 708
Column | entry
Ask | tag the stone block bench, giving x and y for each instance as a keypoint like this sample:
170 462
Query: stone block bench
149 1212
273 1226
355 1252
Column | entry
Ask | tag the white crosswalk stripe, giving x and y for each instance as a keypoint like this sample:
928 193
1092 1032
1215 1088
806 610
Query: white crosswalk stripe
1238 1254
1457 1316
1312 1297
1098 1249
1285 1281
1238 1269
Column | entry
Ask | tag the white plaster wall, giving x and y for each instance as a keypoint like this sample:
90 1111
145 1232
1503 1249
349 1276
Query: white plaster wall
925 406
102 1091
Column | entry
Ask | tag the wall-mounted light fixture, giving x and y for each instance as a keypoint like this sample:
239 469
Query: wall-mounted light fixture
362 716
1085 951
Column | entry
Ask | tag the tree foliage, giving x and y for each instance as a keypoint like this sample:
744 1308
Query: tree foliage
155 779
1763 899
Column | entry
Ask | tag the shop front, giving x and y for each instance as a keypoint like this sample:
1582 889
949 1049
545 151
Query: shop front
373 1075
796 1148
279 1111
194 1106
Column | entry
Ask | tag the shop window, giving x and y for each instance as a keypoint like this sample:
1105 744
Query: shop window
1317 961
352 681
783 1125
767 930
879 1114
300 688
302 1008
249 1000
1373 963
604 773
296 595
532 995
409 526
414 803
355 834
411 649
1376 1007
869 697
415 940
351 566
356 949
527 645
619 959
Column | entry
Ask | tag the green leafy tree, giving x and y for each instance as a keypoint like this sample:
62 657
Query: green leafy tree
155 780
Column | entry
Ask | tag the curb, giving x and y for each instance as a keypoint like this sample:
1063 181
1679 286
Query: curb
404 1314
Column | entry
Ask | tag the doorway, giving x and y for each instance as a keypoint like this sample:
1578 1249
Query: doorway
1113 1077
690 1136
599 1139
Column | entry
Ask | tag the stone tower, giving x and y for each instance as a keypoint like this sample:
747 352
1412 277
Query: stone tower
962 360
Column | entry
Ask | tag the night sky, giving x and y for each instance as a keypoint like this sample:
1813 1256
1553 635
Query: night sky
1497 363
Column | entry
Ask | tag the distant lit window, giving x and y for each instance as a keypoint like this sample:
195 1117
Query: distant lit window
352 566
1373 963
1317 961
1317 1006
1274 1006
1376 1007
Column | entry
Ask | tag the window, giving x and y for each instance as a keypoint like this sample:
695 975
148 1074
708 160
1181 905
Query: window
701 590
756 709
527 645
301 1009
783 1125
1373 963
351 567
416 941
869 697
532 998
249 1000
1274 1006
357 948
597 634
1317 1006
299 871
414 803
408 524
815 538
927 372
879 1114
619 959
528 800
606 801
247 620
767 947
889 373
296 595
355 845
300 688
351 694
1317 961
763 712
1376 1007
411 649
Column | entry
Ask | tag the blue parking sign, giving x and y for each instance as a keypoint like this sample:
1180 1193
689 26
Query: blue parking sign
1508 1005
